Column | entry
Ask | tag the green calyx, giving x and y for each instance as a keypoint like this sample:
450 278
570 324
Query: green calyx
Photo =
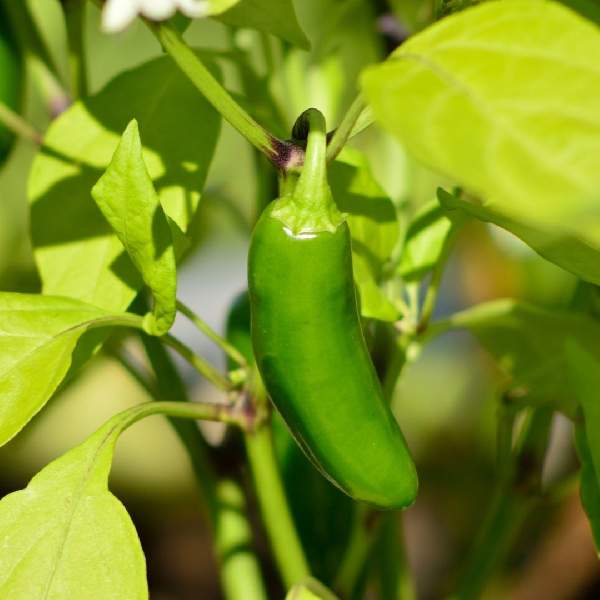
309 207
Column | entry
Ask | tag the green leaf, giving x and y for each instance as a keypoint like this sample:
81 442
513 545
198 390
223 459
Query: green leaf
475 97
38 335
426 240
310 589
373 226
77 253
584 371
269 16
127 199
528 342
589 483
67 536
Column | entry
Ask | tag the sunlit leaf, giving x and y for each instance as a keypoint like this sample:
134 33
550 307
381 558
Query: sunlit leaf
38 335
373 226
269 16
77 253
476 97
67 536
528 342
127 199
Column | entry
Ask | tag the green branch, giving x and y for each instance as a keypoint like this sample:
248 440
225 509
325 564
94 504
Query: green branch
204 328
18 125
274 507
204 368
75 23
239 570
277 151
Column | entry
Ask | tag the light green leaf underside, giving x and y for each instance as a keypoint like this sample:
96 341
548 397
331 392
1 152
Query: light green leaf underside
127 199
373 226
277 17
76 252
67 536
37 337
503 99
584 371
528 342
425 242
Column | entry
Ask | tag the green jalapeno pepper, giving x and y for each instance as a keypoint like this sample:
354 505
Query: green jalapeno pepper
10 80
309 345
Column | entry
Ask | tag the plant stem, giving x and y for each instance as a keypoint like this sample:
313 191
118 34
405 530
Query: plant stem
240 573
203 327
18 125
275 149
344 131
362 539
203 367
433 289
396 580
287 550
515 495
75 23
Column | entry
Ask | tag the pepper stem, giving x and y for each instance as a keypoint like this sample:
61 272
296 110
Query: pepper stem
310 208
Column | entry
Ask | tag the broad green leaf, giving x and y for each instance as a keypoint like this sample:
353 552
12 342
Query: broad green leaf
528 342
476 98
589 483
310 589
269 16
426 240
77 253
127 199
66 536
373 226
38 335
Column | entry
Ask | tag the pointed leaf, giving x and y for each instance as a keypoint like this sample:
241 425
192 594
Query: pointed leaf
127 199
77 253
476 97
38 335
270 16
373 227
428 234
67 536
529 344
589 483
584 371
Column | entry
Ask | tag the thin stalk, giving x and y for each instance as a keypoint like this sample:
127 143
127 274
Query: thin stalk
273 148
204 328
277 519
239 570
433 289
75 23
516 493
18 125
396 581
203 367
343 133
362 539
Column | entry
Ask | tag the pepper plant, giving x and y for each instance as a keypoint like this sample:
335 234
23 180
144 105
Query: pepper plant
499 99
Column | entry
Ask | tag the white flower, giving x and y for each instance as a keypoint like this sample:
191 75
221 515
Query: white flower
118 14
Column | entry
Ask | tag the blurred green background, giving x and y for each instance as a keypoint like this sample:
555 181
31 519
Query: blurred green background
447 397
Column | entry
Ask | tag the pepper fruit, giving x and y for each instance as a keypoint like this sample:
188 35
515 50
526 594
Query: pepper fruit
320 511
309 345
10 80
